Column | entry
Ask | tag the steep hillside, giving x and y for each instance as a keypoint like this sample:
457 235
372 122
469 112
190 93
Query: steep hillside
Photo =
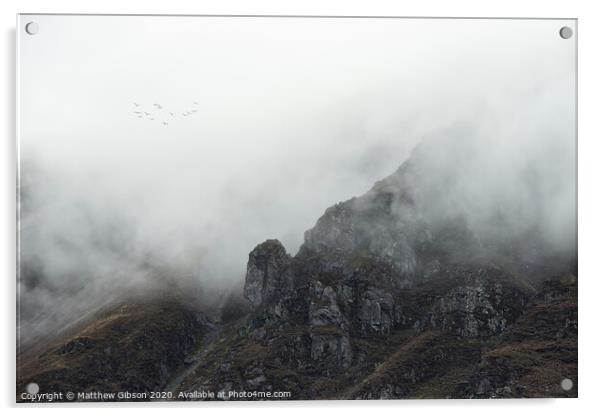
133 345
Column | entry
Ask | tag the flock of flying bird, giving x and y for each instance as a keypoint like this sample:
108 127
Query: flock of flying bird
161 114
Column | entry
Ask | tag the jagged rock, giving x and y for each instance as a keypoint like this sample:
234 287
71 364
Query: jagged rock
376 310
484 307
268 272
323 307
331 350
366 224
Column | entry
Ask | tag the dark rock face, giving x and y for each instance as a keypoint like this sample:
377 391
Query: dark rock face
377 311
484 306
268 272
323 307
370 224
76 345
334 351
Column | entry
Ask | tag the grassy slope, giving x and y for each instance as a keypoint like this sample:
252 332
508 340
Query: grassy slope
132 346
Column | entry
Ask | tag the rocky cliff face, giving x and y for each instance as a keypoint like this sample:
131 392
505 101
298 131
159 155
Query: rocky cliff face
383 269
394 294
268 273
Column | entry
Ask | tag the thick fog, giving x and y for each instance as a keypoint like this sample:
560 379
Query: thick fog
274 120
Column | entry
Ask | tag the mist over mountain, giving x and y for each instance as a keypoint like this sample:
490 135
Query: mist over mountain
519 200
85 241
434 283
110 204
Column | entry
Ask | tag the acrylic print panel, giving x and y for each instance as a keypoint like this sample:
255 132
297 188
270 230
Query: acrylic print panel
277 208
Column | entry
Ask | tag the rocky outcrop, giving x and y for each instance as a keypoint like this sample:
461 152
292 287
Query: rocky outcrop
484 305
387 292
377 311
268 272
323 307
370 224
331 351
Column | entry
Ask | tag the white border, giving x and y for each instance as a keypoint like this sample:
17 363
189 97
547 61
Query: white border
590 207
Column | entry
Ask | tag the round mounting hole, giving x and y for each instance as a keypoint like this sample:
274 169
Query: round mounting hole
566 384
32 388
566 32
32 28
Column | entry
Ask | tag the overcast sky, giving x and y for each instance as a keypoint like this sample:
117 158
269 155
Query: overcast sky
293 115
